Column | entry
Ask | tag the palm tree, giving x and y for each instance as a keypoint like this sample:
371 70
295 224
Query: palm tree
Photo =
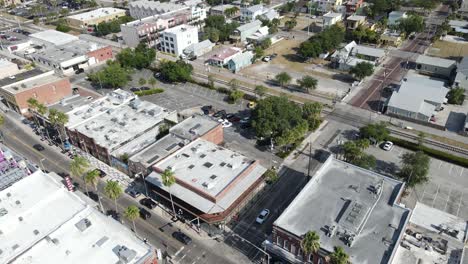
168 180
2 120
78 166
131 213
310 243
42 110
33 105
113 191
58 120
92 177
339 256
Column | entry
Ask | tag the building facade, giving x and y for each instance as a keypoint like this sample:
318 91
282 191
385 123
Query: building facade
325 6
331 18
251 13
176 39
46 88
94 17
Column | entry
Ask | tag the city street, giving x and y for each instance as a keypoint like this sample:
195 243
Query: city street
157 230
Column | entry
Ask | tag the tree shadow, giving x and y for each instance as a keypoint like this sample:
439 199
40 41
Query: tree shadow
343 77
387 168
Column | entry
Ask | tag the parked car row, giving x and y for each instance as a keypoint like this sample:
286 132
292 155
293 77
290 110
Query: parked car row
143 88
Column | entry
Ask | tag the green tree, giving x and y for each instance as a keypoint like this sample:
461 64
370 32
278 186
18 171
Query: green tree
168 180
283 78
307 83
62 25
290 24
113 190
142 81
235 95
92 177
266 43
376 131
2 120
415 167
280 119
259 52
212 34
310 243
178 71
339 256
113 75
78 166
132 213
413 23
327 40
260 90
456 96
271 176
233 84
311 111
211 81
58 120
152 81
310 49
141 57
354 153
362 70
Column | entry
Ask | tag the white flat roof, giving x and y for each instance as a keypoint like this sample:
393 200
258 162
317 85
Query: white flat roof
54 37
46 225
210 169
100 12
117 126
194 127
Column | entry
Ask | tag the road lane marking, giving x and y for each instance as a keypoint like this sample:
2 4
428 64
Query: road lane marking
448 198
461 171
182 257
435 196
451 167
440 163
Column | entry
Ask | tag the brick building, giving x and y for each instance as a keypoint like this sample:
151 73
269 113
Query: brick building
45 87
212 183
348 207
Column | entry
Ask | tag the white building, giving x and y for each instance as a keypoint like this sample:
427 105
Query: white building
143 8
175 40
95 17
325 6
331 18
252 12
8 68
48 224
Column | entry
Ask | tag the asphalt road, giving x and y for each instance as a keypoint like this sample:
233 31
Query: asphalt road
157 229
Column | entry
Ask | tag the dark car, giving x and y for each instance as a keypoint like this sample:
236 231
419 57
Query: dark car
234 119
183 238
145 88
144 214
133 193
79 70
134 89
148 203
207 109
221 114
38 147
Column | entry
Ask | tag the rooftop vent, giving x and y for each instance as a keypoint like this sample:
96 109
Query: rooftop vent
36 232
191 166
20 219
3 211
83 224
208 164
15 246
125 254
101 241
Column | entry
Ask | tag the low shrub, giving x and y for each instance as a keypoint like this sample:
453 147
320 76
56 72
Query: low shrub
149 92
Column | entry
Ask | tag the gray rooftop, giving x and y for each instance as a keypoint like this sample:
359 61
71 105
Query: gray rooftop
118 126
440 62
210 169
54 37
159 150
69 103
255 8
21 76
417 92
222 8
57 55
350 204
369 51
242 57
194 127
332 15
444 233
248 26
463 66
356 18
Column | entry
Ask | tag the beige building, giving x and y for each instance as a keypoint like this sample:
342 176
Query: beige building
95 17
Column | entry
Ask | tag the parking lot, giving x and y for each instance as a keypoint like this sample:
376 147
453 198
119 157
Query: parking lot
446 190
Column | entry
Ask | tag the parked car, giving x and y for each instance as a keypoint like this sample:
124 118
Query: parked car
148 203
262 216
274 55
145 88
266 58
133 193
226 123
38 147
144 213
207 109
183 238
387 146
134 89
220 114
245 120
251 105
234 119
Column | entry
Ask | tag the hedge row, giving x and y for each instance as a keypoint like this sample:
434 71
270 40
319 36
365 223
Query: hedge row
149 92
435 153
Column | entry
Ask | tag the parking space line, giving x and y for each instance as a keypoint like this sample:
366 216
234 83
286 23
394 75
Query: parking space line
461 171
435 196
451 167
459 204
448 198
182 257
440 163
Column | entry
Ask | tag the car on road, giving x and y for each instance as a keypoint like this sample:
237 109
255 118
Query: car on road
38 147
183 238
144 213
387 146
262 216
133 193
148 203
226 123
220 114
